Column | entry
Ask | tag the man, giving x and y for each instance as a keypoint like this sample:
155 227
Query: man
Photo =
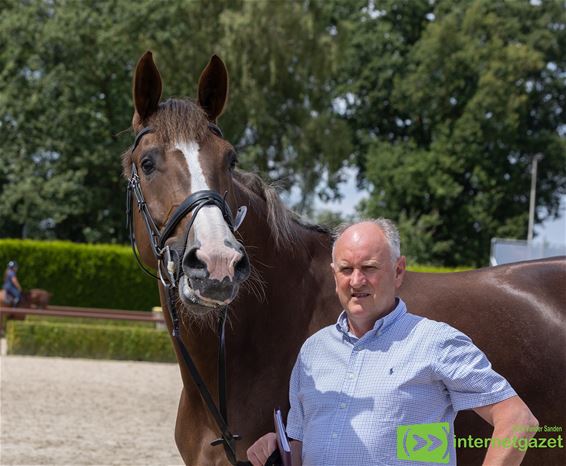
380 367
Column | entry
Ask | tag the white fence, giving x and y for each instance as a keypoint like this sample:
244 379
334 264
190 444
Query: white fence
504 251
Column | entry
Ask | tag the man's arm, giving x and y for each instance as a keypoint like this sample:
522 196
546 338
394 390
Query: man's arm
263 448
504 417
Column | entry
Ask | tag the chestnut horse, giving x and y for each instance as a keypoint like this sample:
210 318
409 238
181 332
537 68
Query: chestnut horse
514 313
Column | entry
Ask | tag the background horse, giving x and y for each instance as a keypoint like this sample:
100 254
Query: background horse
514 313
35 297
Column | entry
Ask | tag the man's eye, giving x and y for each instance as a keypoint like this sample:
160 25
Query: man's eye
346 270
147 166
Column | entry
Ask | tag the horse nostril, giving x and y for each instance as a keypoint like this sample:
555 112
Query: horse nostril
242 267
192 262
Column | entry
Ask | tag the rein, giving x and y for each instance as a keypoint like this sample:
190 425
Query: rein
168 271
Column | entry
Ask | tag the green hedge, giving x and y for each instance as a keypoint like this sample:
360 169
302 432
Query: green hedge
89 275
89 341
85 275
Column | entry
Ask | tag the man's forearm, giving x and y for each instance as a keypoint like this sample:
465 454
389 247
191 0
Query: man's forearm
505 416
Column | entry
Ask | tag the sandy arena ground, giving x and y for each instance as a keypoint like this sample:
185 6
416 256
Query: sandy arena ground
57 411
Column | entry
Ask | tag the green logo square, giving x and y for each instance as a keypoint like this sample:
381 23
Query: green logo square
424 442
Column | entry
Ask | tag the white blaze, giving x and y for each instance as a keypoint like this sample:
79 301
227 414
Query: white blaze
210 229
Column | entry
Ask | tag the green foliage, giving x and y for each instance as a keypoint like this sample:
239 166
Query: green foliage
89 341
441 106
450 101
104 276
282 58
66 69
331 218
89 321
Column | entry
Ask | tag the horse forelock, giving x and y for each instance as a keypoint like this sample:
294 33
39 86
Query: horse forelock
179 121
176 121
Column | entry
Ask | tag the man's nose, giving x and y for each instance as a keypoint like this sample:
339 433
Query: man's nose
357 279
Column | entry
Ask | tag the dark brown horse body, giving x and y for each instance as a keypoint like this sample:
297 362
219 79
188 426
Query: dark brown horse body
513 313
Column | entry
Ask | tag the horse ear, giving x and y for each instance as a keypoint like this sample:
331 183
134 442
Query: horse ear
213 88
146 89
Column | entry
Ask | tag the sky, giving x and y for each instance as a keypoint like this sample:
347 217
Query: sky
551 231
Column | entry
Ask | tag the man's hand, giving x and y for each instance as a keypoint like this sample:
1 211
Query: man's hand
262 449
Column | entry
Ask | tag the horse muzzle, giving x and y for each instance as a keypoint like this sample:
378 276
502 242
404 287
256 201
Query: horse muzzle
212 276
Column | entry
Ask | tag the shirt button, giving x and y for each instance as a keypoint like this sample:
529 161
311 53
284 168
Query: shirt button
334 435
350 375
342 405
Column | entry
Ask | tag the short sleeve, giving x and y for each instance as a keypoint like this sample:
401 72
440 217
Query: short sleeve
467 373
296 413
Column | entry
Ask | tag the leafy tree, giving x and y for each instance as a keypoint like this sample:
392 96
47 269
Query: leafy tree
63 96
65 99
440 105
461 98
332 219
281 111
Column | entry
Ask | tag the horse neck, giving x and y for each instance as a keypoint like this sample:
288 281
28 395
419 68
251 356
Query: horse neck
295 282
293 295
271 249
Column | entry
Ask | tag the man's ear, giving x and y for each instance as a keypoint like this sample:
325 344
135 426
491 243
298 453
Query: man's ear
400 269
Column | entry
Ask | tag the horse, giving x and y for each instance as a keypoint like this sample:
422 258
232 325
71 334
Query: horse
272 276
35 297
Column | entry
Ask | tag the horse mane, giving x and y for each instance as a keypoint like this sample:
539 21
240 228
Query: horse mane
282 221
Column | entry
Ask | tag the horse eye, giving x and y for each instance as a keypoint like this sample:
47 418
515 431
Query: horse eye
147 165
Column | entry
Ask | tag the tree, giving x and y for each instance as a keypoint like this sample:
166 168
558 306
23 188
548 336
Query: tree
472 92
66 108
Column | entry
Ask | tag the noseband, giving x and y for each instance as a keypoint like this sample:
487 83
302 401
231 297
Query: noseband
168 270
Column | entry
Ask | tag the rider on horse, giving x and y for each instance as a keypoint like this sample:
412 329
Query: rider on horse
11 285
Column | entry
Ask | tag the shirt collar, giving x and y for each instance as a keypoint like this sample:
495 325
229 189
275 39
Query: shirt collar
380 325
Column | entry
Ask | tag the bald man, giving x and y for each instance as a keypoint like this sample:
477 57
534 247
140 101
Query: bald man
380 367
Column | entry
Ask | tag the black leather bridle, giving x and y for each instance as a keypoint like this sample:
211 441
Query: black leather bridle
168 271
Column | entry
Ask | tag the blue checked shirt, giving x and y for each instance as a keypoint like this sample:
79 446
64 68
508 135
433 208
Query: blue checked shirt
348 395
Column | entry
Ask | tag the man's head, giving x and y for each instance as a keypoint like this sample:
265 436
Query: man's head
368 270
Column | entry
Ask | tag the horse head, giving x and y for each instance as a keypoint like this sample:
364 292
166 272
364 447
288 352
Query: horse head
181 168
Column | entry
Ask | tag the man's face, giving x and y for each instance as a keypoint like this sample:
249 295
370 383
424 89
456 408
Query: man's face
366 278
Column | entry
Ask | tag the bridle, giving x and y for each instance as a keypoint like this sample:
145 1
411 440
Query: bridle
168 271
